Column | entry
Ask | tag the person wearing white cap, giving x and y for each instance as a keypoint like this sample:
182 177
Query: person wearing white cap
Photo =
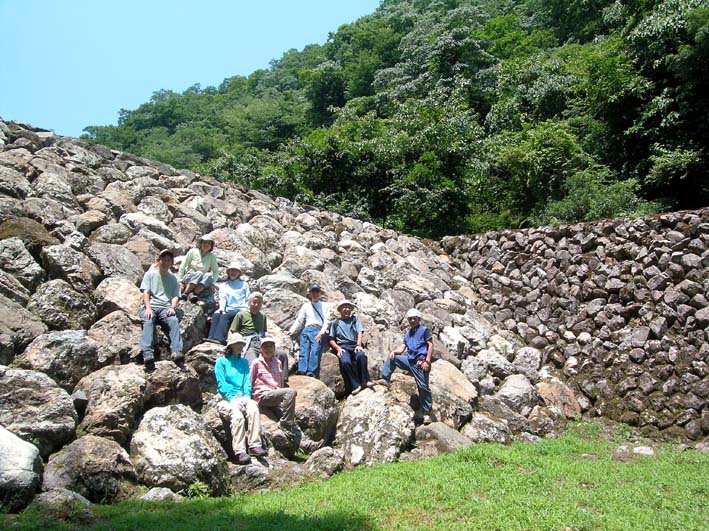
233 297
313 318
234 385
198 271
346 340
418 346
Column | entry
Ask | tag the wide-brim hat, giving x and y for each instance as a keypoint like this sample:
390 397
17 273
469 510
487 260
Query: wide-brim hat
345 303
234 339
413 312
234 265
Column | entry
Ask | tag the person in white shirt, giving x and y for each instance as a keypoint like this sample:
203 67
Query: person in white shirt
313 317
233 297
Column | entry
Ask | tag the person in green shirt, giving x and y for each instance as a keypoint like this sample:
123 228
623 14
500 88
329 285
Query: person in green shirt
161 295
198 271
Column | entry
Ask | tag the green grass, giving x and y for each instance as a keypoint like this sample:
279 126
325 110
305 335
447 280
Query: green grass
571 483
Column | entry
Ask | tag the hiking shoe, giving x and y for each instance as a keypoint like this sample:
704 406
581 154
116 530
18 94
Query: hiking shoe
382 382
215 341
194 299
242 458
257 451
370 384
149 365
427 420
356 391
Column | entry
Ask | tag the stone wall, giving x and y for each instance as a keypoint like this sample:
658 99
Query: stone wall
620 306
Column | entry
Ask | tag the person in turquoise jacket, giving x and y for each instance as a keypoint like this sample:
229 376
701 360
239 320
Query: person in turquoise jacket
234 385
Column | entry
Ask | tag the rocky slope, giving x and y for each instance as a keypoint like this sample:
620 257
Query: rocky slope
79 224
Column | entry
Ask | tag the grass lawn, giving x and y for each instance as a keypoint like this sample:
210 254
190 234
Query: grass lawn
571 483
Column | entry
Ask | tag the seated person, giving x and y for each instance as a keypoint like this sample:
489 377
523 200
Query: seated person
233 297
346 341
234 384
268 385
418 345
198 272
161 295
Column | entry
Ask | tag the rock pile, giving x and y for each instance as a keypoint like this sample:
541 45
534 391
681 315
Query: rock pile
513 318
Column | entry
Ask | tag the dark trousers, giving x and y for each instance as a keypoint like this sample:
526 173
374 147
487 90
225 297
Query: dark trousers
354 368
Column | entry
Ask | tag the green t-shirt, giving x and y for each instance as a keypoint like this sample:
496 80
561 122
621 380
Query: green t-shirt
162 289
246 323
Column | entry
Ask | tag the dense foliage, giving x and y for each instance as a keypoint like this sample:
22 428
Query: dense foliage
446 116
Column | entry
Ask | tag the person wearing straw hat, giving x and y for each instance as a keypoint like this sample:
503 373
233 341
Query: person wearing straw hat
346 341
233 298
313 318
198 271
418 346
234 385
161 295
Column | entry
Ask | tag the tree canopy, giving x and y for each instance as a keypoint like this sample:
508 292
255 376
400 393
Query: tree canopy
445 116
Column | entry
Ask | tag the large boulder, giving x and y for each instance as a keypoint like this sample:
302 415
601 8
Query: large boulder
33 234
117 293
453 395
169 385
374 428
193 325
315 408
20 471
281 306
118 338
114 401
64 262
97 468
559 397
331 375
484 427
202 359
65 356
61 307
11 288
36 409
173 448
439 438
116 261
517 393
17 260
13 183
18 327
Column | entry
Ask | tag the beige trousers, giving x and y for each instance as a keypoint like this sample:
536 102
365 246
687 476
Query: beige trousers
242 412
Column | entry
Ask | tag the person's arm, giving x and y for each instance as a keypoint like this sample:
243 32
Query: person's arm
215 267
398 350
222 296
184 266
333 343
299 320
146 302
325 321
173 306
358 347
247 380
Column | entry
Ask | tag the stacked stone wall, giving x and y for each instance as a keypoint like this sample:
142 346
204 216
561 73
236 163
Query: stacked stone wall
620 306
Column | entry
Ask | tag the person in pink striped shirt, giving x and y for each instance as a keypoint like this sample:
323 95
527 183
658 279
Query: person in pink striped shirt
267 385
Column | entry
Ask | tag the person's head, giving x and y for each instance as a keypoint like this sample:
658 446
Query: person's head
235 344
268 348
413 316
255 302
314 292
165 260
234 270
345 308
206 244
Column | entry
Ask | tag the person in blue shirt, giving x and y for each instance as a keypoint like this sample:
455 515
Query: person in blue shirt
346 341
233 297
418 346
234 384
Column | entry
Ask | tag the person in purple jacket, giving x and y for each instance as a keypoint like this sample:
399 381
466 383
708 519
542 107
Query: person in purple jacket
418 346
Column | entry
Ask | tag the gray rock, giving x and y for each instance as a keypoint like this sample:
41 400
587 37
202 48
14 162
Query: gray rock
117 293
59 499
374 428
439 438
116 261
61 307
316 408
13 183
16 260
11 288
158 494
169 385
117 337
107 477
71 265
65 356
517 393
20 471
36 409
326 462
18 326
173 448
115 233
559 397
484 427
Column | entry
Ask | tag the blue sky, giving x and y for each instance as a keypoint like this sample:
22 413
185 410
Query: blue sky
67 64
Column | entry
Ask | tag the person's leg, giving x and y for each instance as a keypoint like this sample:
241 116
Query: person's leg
285 364
148 336
421 378
171 326
282 401
361 368
253 416
348 370
253 348
220 326
304 354
237 423
215 327
387 370
315 353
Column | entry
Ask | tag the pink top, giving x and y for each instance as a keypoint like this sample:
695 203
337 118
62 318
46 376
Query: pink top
265 378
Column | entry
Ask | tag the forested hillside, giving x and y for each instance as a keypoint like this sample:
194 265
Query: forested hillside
446 116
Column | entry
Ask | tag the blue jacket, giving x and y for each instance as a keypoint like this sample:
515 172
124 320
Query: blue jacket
233 377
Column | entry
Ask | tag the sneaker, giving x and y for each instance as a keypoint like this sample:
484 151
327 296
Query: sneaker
382 382
370 384
356 391
427 420
257 451
194 299
242 458
311 374
149 365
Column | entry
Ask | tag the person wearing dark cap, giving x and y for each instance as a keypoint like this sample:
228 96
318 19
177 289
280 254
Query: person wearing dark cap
233 298
346 341
413 356
313 317
198 271
161 295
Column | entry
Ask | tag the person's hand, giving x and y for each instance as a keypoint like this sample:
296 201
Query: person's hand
392 354
148 313
170 311
318 338
339 352
358 348
424 365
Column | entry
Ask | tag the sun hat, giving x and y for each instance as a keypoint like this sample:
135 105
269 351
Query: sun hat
413 312
233 265
345 303
268 339
235 338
